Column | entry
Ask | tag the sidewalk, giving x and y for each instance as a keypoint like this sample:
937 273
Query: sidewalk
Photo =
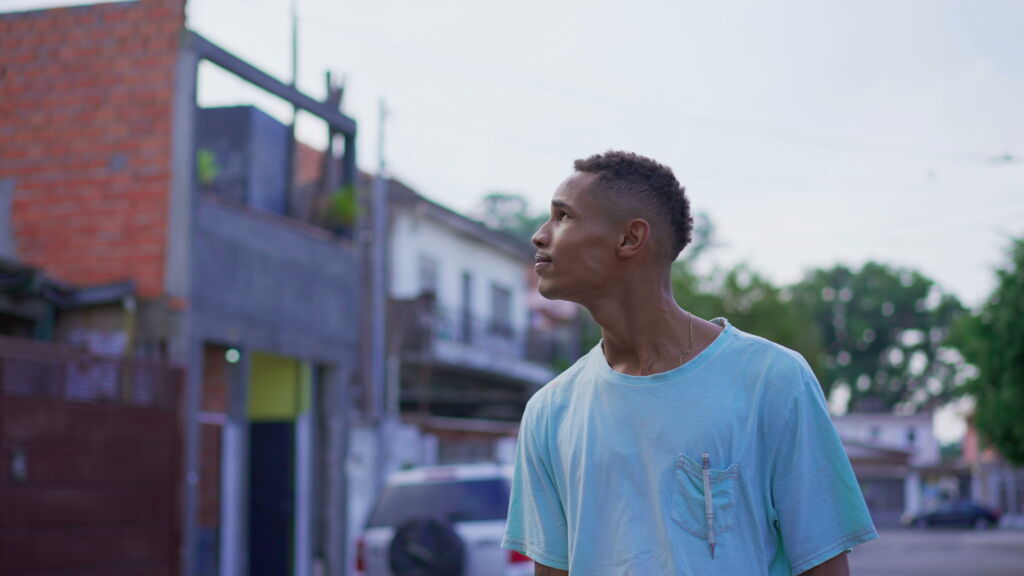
998 552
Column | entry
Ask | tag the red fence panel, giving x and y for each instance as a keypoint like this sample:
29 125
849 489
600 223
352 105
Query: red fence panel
90 476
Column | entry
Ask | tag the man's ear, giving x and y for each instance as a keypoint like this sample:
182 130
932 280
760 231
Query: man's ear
636 234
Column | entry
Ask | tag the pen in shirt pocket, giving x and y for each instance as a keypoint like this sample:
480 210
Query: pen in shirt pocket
709 508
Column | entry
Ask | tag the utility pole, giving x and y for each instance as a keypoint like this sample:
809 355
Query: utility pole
290 185
295 45
378 307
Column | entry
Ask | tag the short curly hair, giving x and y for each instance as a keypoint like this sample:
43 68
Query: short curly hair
631 185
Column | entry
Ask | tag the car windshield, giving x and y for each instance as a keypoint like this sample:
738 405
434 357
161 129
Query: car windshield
451 501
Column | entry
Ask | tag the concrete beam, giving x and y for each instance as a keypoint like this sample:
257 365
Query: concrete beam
209 51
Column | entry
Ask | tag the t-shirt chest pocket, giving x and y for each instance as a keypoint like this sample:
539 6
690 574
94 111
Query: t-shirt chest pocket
691 509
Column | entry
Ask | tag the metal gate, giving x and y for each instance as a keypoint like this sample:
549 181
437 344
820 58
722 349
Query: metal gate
91 447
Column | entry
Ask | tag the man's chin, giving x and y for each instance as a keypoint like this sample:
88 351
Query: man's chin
550 292
546 290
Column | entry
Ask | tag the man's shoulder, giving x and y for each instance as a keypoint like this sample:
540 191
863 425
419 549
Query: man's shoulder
559 389
765 352
783 375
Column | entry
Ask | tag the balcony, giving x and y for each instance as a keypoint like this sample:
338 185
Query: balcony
421 332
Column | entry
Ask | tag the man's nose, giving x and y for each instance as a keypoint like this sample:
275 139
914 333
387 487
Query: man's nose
540 237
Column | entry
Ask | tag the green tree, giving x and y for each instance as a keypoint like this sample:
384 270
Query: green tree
884 334
749 300
509 213
993 341
751 303
704 238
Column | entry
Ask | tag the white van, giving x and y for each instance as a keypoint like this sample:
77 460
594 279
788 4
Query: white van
441 521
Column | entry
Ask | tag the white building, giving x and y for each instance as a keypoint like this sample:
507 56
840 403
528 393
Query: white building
465 346
914 434
460 342
897 461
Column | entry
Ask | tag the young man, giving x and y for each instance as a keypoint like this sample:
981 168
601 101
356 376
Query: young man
677 446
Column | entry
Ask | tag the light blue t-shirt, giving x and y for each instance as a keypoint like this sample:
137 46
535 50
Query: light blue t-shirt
609 468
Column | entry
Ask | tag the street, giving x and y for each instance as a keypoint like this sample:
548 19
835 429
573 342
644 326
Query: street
941 553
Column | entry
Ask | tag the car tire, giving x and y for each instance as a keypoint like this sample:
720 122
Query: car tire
982 524
426 547
920 523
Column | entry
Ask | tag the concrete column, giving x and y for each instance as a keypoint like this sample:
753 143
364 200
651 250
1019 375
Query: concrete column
234 492
1012 505
977 488
305 453
184 345
912 493
338 399
178 259
192 403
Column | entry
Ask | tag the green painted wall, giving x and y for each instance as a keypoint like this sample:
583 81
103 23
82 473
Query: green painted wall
279 388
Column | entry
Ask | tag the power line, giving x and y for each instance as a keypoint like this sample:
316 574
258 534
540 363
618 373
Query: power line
709 123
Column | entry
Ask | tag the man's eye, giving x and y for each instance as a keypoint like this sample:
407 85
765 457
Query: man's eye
563 216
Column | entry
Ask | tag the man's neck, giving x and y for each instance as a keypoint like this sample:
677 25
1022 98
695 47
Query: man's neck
647 333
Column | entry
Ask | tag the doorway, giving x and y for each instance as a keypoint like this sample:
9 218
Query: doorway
279 393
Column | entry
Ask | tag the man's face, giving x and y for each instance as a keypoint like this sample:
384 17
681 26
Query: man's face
576 246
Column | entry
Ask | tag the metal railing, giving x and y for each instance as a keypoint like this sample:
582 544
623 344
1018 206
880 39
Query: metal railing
30 369
416 325
487 334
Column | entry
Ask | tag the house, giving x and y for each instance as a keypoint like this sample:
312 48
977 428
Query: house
105 164
994 481
465 349
897 461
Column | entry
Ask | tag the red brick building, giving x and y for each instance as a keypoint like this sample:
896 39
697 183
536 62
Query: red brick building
99 128
86 98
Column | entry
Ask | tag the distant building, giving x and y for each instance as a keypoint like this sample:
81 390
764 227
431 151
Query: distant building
897 461
914 434
994 482
467 348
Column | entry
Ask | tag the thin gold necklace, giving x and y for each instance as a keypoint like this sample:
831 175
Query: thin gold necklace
689 346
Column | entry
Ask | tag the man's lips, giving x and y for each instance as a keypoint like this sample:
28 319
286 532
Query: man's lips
542 260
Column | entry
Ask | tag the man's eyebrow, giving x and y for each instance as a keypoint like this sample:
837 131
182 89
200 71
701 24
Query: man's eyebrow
561 204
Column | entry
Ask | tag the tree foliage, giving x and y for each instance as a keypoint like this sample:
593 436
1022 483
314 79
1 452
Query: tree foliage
993 341
509 213
751 303
884 332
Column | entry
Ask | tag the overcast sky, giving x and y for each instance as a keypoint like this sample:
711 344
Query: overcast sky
811 132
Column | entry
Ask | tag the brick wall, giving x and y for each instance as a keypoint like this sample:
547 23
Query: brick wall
85 134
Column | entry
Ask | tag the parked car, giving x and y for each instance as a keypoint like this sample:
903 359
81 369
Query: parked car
441 521
963 513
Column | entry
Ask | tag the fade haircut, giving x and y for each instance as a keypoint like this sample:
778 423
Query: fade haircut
630 186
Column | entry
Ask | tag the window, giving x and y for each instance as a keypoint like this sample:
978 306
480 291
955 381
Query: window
466 315
7 244
501 310
911 435
466 501
427 274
